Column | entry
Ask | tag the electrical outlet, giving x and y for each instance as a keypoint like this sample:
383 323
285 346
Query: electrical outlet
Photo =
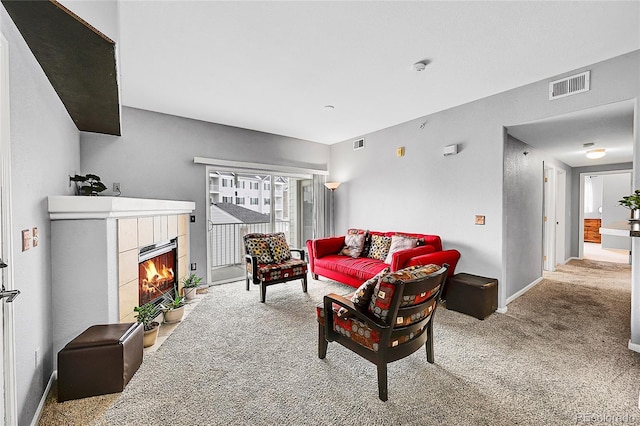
35 236
26 237
479 219
193 267
116 187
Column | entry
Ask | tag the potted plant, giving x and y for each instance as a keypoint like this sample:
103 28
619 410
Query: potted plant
190 285
147 314
172 306
632 202
88 185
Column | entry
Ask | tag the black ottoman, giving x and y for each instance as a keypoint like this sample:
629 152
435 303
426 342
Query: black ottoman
471 295
101 360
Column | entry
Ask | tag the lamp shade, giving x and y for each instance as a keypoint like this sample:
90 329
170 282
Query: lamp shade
332 185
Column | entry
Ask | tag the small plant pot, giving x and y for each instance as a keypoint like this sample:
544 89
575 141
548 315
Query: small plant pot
189 293
174 315
151 336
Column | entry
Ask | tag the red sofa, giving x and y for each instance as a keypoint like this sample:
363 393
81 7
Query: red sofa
325 258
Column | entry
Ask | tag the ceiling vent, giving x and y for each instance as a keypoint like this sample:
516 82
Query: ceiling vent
569 86
358 144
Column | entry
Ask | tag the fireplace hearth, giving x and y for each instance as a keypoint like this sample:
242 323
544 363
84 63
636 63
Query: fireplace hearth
156 271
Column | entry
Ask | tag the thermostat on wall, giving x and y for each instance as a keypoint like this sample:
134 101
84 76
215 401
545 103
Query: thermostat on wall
450 149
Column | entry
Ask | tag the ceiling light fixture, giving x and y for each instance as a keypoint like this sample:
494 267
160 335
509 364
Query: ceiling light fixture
596 153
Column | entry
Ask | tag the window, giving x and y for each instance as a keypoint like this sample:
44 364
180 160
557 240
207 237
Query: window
227 199
241 184
240 200
267 186
226 182
253 201
254 185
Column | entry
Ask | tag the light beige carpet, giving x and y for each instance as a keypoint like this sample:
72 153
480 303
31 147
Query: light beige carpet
558 356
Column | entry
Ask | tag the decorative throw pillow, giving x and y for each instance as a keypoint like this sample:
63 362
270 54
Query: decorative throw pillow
383 291
353 243
399 242
367 245
259 248
379 247
279 247
362 295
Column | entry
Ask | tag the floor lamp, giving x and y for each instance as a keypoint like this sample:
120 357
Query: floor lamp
332 186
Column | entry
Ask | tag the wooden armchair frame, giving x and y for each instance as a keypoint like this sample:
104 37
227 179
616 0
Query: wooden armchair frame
386 353
255 279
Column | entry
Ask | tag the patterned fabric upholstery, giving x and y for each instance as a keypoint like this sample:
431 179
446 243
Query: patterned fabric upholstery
279 247
257 245
362 296
379 247
277 271
353 242
383 291
360 332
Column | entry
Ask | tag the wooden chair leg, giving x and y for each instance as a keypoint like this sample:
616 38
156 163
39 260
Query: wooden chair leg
304 284
322 342
429 344
263 291
382 382
247 283
315 276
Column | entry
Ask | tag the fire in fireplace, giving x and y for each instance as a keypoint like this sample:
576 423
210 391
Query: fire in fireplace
156 271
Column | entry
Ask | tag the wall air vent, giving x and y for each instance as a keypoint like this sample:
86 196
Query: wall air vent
358 144
569 86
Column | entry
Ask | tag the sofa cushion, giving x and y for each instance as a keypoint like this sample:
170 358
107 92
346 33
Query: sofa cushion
383 291
258 246
353 242
379 247
279 247
399 242
361 268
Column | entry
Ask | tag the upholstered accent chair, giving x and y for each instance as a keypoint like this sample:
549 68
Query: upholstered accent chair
393 323
269 261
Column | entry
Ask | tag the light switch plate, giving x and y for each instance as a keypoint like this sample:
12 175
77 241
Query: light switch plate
34 232
26 237
479 219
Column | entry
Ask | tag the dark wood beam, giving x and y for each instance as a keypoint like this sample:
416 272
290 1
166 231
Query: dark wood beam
78 60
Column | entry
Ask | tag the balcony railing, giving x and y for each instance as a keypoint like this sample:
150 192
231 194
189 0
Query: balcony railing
227 247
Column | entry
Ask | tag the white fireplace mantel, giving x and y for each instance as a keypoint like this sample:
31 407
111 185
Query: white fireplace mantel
87 207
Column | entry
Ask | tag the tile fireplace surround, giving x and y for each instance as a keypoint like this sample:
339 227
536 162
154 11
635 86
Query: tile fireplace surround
94 256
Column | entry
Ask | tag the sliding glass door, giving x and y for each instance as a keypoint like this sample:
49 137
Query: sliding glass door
242 202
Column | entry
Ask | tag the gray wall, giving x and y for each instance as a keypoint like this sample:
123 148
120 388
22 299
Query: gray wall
44 152
154 159
426 192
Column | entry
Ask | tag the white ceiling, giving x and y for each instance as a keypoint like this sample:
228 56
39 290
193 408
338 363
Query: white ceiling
273 66
608 126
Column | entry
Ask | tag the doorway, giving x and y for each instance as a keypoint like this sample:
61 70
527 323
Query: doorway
8 405
599 195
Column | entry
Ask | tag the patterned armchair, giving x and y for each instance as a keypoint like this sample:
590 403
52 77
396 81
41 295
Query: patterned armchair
269 261
388 318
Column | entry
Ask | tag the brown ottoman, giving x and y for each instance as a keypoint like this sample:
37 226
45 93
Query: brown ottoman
471 295
101 360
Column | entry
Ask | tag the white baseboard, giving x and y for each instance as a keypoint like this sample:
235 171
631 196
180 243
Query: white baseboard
43 400
634 346
523 291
